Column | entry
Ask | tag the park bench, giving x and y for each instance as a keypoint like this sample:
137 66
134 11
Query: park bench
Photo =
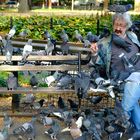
67 93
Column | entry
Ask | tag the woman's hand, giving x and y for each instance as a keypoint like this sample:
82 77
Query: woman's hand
94 48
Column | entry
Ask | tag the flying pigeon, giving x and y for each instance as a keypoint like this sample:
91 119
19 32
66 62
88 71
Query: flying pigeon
27 50
11 32
33 81
12 82
120 8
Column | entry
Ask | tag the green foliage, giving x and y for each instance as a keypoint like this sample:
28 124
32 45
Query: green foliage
36 25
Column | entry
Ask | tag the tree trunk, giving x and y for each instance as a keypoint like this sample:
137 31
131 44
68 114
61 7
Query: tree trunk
49 4
106 5
23 6
137 5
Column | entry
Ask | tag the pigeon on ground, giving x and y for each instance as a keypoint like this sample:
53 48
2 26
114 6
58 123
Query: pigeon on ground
95 99
78 36
27 129
7 120
11 32
33 81
120 8
12 82
54 130
27 50
115 136
38 105
45 120
4 135
61 103
73 105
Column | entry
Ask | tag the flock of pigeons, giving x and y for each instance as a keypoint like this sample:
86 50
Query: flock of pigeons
84 124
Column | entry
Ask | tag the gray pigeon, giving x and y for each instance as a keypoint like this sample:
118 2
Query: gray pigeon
4 134
120 8
33 81
64 82
7 120
54 130
8 50
64 37
27 50
11 32
27 129
12 82
24 33
49 47
78 36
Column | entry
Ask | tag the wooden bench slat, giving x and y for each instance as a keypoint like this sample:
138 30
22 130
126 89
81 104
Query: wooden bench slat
45 58
41 68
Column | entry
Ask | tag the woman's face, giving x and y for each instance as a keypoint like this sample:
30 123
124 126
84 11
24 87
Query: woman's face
120 27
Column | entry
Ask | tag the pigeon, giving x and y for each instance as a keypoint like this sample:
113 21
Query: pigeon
34 81
8 50
82 83
64 82
4 134
12 82
73 105
105 33
78 36
47 35
54 130
134 59
38 105
120 42
92 38
64 37
45 120
61 103
27 50
27 129
50 79
120 8
65 48
49 47
128 66
7 121
95 99
24 33
11 32
115 136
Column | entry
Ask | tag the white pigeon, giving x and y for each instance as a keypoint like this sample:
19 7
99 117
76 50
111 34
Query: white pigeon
27 50
11 32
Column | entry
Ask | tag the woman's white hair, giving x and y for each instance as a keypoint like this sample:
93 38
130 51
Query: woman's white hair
125 16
